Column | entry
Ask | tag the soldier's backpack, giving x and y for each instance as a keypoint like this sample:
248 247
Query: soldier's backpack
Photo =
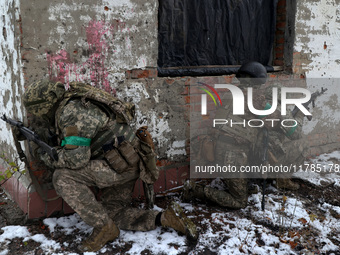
121 113
124 111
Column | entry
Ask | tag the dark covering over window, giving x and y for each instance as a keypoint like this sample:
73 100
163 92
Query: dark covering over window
215 32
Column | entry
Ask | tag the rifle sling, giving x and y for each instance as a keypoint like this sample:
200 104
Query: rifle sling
35 182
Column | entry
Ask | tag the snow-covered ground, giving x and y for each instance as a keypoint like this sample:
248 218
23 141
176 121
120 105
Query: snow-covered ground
322 170
290 224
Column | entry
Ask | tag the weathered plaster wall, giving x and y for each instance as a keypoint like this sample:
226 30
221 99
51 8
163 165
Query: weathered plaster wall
317 47
93 41
11 79
98 42
317 35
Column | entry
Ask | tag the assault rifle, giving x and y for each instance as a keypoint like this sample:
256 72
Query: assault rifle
31 136
311 100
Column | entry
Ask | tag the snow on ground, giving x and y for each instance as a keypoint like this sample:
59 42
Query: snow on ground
290 224
324 169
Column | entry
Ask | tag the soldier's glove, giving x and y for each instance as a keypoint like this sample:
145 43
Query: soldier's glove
144 135
44 157
17 134
40 154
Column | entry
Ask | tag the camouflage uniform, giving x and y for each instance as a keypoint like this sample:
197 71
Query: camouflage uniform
91 126
286 144
76 172
233 144
230 148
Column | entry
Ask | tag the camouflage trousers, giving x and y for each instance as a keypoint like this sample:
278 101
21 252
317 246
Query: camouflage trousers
229 152
290 152
74 187
295 152
235 197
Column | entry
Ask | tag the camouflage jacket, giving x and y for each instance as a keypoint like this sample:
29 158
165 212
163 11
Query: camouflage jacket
76 119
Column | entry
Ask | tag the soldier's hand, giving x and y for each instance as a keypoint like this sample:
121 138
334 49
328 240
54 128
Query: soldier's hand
17 134
40 154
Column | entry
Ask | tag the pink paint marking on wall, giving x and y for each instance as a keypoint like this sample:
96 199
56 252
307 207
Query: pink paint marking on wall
94 71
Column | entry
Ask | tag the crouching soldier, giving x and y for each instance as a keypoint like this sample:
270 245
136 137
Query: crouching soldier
97 148
233 144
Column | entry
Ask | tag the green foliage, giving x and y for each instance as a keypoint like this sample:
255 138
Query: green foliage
13 167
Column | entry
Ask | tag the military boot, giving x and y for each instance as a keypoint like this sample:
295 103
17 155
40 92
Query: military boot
286 184
175 218
253 188
192 190
99 237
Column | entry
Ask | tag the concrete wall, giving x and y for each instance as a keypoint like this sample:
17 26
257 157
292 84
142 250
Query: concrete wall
317 37
11 78
317 55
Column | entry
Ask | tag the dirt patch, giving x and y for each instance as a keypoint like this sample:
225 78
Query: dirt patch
326 194
10 213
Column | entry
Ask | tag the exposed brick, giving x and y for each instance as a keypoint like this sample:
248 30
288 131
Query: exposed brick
169 81
297 77
185 91
297 63
128 74
272 76
297 69
195 99
187 82
195 90
279 48
279 32
284 77
195 108
278 62
211 105
228 78
280 40
281 24
205 117
281 17
139 73
279 55
281 3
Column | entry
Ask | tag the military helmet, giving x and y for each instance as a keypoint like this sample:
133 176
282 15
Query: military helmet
40 97
252 73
